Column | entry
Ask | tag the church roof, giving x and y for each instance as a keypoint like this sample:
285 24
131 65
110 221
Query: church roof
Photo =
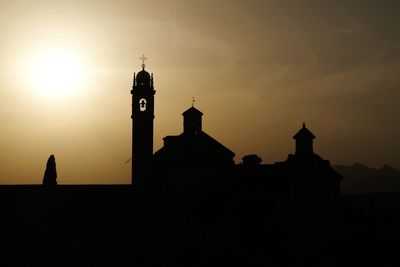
192 111
304 133
198 149
193 147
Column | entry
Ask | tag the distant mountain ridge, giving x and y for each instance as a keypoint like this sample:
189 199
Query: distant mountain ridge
358 178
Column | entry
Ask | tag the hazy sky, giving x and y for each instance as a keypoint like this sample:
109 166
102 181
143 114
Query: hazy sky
258 69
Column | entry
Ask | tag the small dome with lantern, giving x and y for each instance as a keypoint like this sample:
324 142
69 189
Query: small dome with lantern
143 77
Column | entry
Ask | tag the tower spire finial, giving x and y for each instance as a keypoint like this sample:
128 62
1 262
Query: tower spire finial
304 125
143 58
193 100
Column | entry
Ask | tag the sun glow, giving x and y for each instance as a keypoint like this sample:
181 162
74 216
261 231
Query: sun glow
56 73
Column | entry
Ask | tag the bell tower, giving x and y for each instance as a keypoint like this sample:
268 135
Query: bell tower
304 141
142 124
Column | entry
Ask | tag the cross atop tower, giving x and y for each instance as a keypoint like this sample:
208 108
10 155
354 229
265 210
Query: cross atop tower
193 100
143 58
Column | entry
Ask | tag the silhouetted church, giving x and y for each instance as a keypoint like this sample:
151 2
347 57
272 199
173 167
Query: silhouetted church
195 150
294 201
190 205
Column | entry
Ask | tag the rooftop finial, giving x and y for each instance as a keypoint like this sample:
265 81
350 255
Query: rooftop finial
304 125
143 58
193 100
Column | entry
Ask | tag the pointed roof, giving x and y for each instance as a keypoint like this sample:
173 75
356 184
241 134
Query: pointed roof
192 111
304 133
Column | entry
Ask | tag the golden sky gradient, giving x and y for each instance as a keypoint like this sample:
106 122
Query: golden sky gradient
258 69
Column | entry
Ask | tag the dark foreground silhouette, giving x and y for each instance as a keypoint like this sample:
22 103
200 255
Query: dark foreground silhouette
191 205
120 226
195 207
50 174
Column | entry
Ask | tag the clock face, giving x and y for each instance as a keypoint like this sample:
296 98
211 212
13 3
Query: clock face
142 104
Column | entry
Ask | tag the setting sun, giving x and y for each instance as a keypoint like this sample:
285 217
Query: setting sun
56 73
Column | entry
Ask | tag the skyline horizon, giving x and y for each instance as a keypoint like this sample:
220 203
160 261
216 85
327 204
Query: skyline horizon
257 69
237 159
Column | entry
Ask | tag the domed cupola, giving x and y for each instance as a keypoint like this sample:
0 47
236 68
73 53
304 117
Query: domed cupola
143 78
